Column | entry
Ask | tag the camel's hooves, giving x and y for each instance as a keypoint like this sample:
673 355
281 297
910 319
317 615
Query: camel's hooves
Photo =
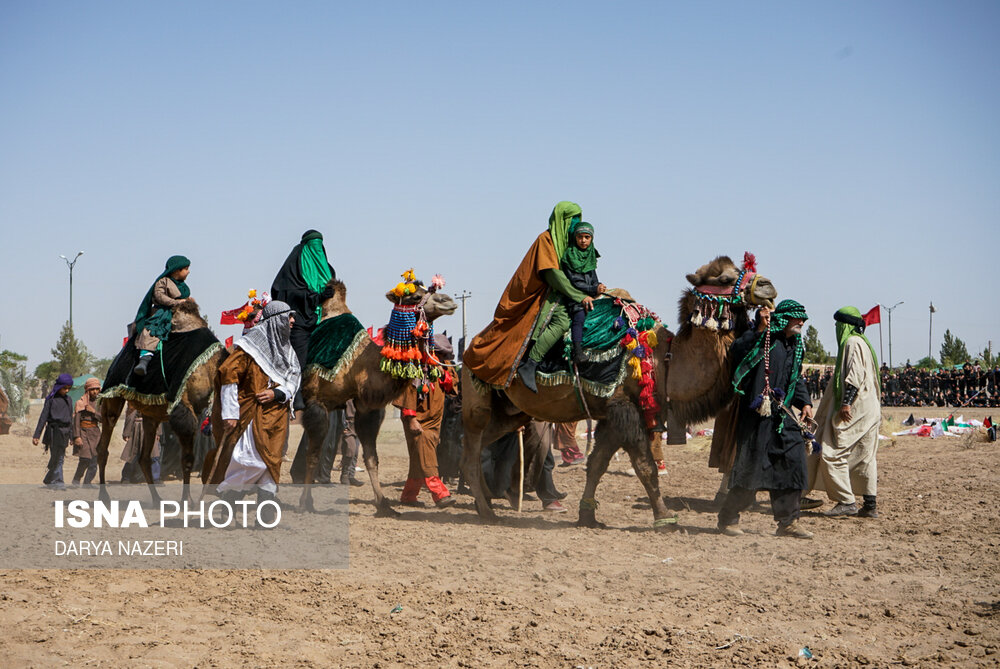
386 511
592 523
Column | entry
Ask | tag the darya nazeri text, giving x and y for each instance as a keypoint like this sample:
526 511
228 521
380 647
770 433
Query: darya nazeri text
159 548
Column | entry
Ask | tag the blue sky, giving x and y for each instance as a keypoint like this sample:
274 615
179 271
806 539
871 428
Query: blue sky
853 146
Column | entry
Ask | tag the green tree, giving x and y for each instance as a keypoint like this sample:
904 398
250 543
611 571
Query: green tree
14 382
988 358
70 354
953 350
47 371
814 351
927 363
99 367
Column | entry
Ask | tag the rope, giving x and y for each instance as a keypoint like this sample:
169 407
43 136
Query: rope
663 522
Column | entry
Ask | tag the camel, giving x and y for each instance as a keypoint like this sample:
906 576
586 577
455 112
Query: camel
489 413
194 397
700 371
362 381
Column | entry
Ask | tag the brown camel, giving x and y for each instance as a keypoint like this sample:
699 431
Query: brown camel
194 397
488 414
700 371
362 381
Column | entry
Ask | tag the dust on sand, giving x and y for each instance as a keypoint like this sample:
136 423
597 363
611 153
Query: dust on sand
916 587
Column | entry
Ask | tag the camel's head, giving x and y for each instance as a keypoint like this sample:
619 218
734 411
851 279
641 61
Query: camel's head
722 292
336 304
439 304
187 316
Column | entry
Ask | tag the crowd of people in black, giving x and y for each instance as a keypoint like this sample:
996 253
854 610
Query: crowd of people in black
971 385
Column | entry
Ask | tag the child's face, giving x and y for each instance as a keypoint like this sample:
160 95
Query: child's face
583 240
180 274
63 390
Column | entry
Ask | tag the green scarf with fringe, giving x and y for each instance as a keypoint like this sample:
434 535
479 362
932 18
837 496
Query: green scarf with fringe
785 311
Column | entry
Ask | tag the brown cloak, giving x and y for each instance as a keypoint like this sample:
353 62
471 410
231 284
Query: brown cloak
493 355
270 421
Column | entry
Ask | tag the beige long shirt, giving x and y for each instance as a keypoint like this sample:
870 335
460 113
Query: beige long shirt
866 412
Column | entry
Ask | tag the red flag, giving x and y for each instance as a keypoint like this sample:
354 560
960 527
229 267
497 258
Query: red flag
229 342
124 341
230 317
873 316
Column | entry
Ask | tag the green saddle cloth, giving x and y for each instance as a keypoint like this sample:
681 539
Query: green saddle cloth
333 339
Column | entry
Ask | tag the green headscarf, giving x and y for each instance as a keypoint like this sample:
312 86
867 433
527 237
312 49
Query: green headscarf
142 319
560 222
787 310
849 323
578 260
315 267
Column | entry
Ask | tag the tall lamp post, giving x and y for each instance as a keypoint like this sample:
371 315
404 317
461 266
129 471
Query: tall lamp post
889 309
464 296
70 264
930 329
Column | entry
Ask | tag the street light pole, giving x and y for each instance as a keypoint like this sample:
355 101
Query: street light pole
930 329
70 264
889 309
464 296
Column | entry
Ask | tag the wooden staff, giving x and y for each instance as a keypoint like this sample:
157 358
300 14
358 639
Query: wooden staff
520 483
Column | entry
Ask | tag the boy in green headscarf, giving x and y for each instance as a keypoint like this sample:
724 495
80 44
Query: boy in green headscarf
155 314
572 296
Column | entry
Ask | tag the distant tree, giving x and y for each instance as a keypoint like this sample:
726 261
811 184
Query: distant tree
47 371
953 350
988 357
927 363
14 382
814 351
99 367
70 354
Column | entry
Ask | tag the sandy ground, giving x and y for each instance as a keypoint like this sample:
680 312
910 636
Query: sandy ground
917 587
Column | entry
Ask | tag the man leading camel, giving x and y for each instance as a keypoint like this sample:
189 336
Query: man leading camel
849 417
526 308
770 451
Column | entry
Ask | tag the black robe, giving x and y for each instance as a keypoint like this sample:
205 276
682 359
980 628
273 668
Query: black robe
765 459
290 287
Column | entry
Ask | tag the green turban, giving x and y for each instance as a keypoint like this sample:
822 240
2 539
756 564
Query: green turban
849 324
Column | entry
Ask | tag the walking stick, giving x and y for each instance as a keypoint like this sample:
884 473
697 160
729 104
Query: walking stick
520 483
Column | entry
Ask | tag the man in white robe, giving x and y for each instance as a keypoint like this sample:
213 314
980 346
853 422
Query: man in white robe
849 417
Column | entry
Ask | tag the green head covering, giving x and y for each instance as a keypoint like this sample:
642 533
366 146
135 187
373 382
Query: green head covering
559 225
849 324
315 267
576 259
173 264
786 310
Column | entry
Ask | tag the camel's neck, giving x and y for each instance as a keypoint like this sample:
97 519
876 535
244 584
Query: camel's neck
335 306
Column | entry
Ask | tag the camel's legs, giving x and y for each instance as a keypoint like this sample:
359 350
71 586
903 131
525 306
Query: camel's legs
146 456
367 425
645 468
476 413
111 409
184 423
605 446
316 423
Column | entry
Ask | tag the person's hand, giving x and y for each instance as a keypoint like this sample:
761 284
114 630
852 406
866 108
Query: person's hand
265 396
807 411
588 303
230 423
78 441
601 288
34 441
845 413
763 319
414 426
